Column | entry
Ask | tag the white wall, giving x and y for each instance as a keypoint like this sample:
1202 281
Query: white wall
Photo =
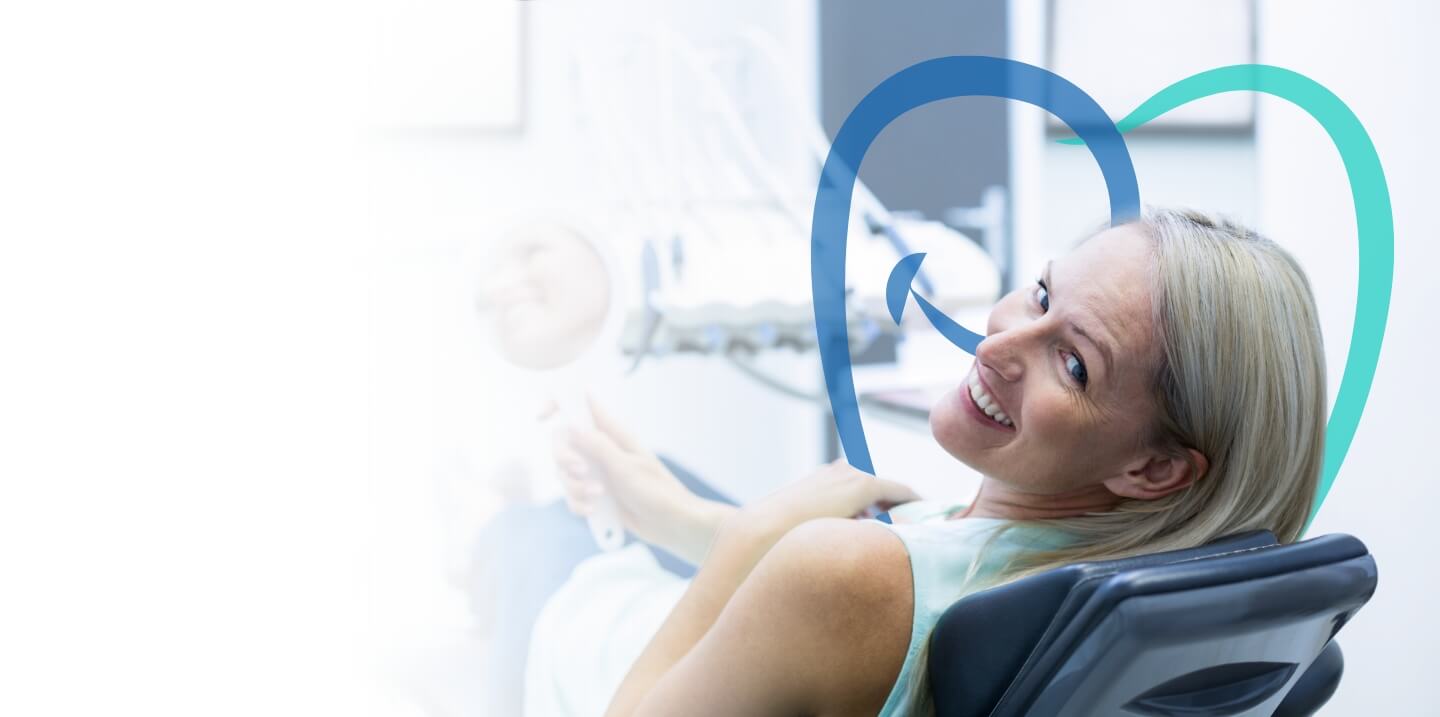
1380 58
1214 172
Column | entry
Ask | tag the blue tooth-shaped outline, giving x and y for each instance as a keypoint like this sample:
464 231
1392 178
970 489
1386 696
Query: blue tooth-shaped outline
920 84
897 288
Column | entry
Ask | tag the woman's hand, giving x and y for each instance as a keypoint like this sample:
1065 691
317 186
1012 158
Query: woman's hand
653 504
834 490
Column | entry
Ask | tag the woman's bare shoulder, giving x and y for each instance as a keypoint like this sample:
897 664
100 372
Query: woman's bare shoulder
860 554
820 626
849 590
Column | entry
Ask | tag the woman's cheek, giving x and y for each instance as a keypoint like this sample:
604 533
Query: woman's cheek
1045 418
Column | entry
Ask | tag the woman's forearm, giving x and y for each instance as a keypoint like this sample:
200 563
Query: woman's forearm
736 550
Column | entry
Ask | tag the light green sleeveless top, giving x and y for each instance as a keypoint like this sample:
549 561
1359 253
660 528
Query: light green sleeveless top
941 553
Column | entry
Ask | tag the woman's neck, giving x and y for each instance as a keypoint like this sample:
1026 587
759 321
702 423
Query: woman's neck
997 500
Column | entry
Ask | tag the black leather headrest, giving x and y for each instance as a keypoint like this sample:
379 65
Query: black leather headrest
986 640
1346 582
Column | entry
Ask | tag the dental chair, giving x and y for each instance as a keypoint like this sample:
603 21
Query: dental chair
1240 626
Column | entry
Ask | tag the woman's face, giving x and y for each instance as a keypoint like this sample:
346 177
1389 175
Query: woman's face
1066 367
546 293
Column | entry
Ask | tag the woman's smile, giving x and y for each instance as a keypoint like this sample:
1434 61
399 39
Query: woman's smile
980 403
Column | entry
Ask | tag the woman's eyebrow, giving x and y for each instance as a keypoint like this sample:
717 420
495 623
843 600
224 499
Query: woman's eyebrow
1077 328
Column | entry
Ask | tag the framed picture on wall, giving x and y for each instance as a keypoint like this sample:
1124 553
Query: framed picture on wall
449 66
1123 51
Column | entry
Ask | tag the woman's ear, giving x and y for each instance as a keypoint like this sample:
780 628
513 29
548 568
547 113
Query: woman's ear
1159 474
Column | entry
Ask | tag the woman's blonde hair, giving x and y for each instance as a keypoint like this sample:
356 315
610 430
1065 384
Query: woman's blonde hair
1241 379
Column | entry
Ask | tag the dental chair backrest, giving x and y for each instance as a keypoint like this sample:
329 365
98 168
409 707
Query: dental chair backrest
1240 626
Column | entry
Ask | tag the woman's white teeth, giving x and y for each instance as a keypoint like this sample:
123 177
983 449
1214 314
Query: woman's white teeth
988 405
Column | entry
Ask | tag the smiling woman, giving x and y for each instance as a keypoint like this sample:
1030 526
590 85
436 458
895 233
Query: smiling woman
1159 386
1065 404
1166 382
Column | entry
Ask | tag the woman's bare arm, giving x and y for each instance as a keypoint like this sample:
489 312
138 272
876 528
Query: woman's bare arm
817 625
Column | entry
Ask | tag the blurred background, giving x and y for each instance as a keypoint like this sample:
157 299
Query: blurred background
263 383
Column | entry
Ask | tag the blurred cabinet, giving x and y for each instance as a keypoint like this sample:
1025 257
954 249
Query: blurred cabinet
937 157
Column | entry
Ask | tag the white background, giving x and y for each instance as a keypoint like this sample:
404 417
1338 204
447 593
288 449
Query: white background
184 422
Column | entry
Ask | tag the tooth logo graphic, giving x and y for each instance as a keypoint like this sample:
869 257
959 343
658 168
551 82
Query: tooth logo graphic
964 76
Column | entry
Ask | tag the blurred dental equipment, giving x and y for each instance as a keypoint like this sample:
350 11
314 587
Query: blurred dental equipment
725 212
604 522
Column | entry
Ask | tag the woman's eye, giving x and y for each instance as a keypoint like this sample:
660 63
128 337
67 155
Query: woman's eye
1076 369
1042 295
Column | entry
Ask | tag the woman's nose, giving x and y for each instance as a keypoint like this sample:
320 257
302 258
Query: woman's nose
1002 352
